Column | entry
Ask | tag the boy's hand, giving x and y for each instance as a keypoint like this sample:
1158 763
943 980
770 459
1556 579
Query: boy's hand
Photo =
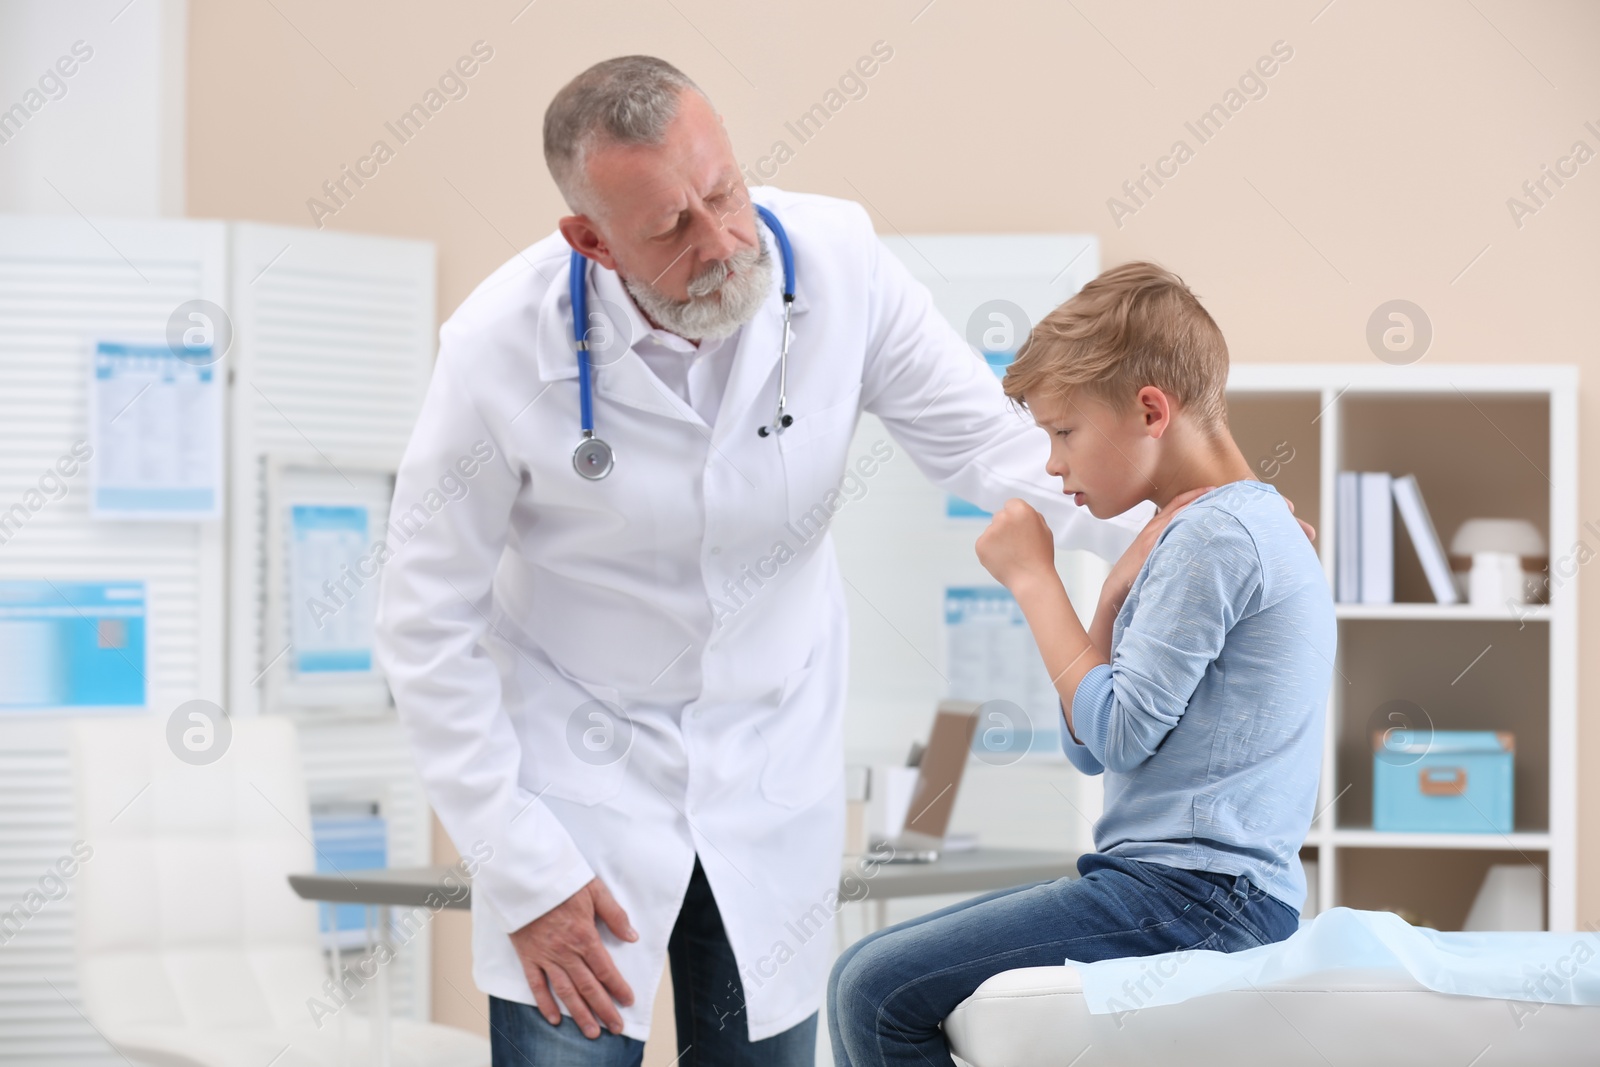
1017 546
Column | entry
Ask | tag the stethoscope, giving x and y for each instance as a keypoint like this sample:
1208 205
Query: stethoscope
593 458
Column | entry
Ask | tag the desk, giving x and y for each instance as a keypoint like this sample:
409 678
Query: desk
977 871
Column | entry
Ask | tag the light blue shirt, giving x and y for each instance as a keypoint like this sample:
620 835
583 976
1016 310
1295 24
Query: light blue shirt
1208 721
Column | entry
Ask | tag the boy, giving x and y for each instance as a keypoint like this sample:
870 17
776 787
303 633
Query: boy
1198 689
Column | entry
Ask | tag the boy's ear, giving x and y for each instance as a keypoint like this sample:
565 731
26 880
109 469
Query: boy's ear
1155 410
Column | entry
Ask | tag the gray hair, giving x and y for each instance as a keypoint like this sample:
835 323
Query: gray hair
628 100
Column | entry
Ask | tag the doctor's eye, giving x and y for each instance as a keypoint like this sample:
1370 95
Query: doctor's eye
676 231
726 199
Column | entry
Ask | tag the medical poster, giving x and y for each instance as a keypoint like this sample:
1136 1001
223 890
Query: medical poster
333 605
347 836
72 646
156 427
991 656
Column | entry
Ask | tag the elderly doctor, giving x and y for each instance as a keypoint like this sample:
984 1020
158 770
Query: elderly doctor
623 670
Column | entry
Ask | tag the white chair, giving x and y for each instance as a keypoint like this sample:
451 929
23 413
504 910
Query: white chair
192 950
1339 1018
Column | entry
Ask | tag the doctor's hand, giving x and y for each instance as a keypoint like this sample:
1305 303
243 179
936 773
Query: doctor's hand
1017 547
561 953
1126 569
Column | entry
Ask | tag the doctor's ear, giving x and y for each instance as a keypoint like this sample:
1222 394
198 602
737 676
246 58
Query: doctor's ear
581 234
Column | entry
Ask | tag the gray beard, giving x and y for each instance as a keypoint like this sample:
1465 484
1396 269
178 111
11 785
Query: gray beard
717 305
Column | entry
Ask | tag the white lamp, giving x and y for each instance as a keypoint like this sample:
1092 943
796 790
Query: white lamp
1497 548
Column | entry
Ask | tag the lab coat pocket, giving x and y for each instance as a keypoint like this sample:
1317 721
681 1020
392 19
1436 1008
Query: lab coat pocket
814 451
802 761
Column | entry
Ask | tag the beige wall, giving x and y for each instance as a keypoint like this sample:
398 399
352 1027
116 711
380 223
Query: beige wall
1378 165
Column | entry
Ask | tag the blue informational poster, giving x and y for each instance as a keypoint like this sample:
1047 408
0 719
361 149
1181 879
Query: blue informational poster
991 657
954 506
348 837
71 645
156 421
334 605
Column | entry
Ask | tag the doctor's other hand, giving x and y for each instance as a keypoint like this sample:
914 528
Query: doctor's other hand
1017 547
1310 530
561 953
1127 568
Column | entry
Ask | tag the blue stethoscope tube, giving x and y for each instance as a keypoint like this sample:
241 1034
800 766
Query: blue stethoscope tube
593 458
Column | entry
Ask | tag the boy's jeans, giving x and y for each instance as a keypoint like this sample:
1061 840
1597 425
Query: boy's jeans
890 991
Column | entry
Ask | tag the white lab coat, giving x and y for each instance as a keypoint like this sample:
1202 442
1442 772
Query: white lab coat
694 589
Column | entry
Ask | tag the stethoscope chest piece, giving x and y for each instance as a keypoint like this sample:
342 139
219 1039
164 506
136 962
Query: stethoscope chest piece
777 425
592 458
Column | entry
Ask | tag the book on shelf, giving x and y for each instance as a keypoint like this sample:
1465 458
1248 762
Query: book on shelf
1425 538
1347 532
1377 538
1364 554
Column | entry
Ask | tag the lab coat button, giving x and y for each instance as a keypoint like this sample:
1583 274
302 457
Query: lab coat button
716 550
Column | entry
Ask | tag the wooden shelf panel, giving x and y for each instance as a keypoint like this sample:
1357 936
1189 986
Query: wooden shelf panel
1352 837
1442 612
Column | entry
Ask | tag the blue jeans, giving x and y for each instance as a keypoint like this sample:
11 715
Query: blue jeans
890 991
708 1004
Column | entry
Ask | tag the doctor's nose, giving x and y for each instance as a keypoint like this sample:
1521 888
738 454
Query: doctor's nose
717 244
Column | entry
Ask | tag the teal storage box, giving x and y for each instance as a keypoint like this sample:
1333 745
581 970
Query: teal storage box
1449 781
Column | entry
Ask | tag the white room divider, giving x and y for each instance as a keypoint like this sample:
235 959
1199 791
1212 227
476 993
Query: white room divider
63 282
332 346
335 346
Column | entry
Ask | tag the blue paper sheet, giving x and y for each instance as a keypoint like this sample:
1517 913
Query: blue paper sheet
1549 968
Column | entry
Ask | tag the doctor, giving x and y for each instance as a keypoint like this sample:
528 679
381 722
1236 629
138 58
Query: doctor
622 666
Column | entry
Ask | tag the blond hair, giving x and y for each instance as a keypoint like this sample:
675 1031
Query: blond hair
1133 326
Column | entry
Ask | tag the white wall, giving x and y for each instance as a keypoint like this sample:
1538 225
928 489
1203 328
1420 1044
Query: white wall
108 139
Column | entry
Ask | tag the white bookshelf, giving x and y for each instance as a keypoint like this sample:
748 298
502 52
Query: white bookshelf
1491 441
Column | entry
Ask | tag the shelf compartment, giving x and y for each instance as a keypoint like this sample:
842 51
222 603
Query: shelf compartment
1470 675
1479 455
1435 886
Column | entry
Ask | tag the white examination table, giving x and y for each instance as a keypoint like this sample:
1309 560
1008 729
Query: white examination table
1355 988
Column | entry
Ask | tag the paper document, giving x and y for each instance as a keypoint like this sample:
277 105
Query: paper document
156 426
991 656
333 606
